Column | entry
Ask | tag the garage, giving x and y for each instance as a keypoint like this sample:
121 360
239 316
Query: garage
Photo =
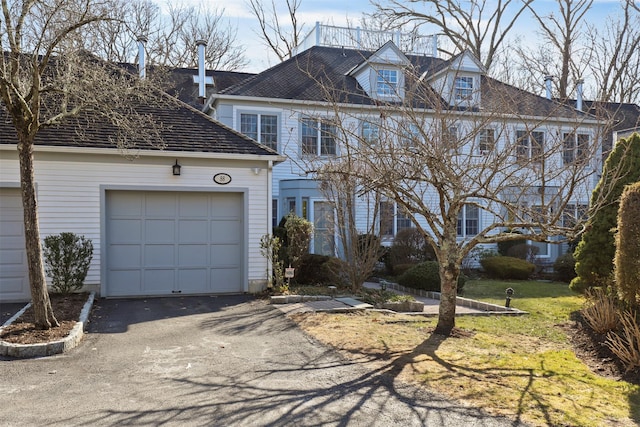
167 242
14 275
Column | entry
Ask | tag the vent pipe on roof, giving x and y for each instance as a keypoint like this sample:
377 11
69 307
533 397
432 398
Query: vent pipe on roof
579 94
142 70
548 79
202 91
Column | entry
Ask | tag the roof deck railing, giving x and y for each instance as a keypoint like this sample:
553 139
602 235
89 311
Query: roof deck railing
358 38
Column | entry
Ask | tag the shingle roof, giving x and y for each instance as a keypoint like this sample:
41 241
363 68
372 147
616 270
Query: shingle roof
307 76
183 128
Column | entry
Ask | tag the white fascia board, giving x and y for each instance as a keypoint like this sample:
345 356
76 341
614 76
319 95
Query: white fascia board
151 153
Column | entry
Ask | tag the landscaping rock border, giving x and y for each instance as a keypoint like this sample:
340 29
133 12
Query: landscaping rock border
24 351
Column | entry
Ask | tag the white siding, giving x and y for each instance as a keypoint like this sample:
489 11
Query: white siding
69 193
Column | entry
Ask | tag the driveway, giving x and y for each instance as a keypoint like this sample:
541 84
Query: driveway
203 361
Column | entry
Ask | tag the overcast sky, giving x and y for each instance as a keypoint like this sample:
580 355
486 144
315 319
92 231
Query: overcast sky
337 12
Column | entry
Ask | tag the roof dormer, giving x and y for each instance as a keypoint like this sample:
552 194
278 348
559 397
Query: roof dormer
381 75
458 82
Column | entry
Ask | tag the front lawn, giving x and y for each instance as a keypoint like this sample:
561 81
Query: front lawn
519 366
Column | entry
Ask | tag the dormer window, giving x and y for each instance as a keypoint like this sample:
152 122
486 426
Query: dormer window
463 88
387 83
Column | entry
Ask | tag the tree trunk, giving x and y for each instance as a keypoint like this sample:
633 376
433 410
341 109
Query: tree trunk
449 272
43 312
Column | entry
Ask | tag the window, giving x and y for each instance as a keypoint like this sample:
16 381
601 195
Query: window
274 213
370 133
574 147
386 218
468 221
410 134
574 213
403 219
529 145
387 82
261 127
463 88
323 233
291 205
450 137
486 141
318 137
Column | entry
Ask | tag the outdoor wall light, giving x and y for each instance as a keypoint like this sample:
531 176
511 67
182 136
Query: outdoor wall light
176 168
256 171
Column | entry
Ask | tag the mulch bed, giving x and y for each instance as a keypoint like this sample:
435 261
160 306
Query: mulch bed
67 310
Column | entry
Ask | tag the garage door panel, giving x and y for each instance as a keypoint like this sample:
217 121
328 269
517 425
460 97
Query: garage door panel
159 256
173 241
193 206
158 281
193 255
125 256
125 231
193 231
160 231
194 280
14 274
227 232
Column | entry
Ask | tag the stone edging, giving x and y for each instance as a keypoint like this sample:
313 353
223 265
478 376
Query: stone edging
49 348
289 299
486 307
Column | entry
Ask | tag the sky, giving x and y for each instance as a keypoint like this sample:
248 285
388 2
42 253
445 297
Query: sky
339 13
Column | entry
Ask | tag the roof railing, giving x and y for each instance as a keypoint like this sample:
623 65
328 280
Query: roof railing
358 38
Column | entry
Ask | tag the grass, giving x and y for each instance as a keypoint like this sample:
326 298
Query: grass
522 367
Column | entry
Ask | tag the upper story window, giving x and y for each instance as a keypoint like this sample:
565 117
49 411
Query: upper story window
486 140
410 134
261 127
574 214
318 137
529 145
403 219
463 88
387 83
574 147
468 221
370 133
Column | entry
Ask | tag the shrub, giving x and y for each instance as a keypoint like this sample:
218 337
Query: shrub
565 267
595 252
524 251
400 269
504 267
409 247
299 231
600 311
67 259
626 344
426 276
505 245
316 269
627 262
270 248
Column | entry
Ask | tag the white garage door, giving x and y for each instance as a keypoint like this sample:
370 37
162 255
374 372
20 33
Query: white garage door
162 243
14 275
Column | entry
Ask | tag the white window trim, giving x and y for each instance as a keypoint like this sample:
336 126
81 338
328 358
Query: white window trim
259 114
318 121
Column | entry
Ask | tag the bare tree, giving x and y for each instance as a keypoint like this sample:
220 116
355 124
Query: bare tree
276 34
466 178
46 79
561 33
171 37
616 55
480 26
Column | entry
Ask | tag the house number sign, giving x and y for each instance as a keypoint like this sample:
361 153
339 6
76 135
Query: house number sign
222 178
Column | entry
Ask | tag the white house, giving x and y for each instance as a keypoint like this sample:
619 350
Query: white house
183 219
290 108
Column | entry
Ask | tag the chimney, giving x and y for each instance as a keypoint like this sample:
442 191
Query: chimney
548 79
142 66
202 91
579 93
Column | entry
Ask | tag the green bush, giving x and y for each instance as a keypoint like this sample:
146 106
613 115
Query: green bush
426 276
320 270
504 267
67 259
505 245
409 247
596 250
565 267
523 251
627 262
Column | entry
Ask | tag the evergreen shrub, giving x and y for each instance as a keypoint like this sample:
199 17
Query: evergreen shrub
426 276
504 267
67 259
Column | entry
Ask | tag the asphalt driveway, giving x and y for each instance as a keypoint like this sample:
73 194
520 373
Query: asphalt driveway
211 361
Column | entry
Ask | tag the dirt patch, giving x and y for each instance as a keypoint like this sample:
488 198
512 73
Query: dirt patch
67 310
